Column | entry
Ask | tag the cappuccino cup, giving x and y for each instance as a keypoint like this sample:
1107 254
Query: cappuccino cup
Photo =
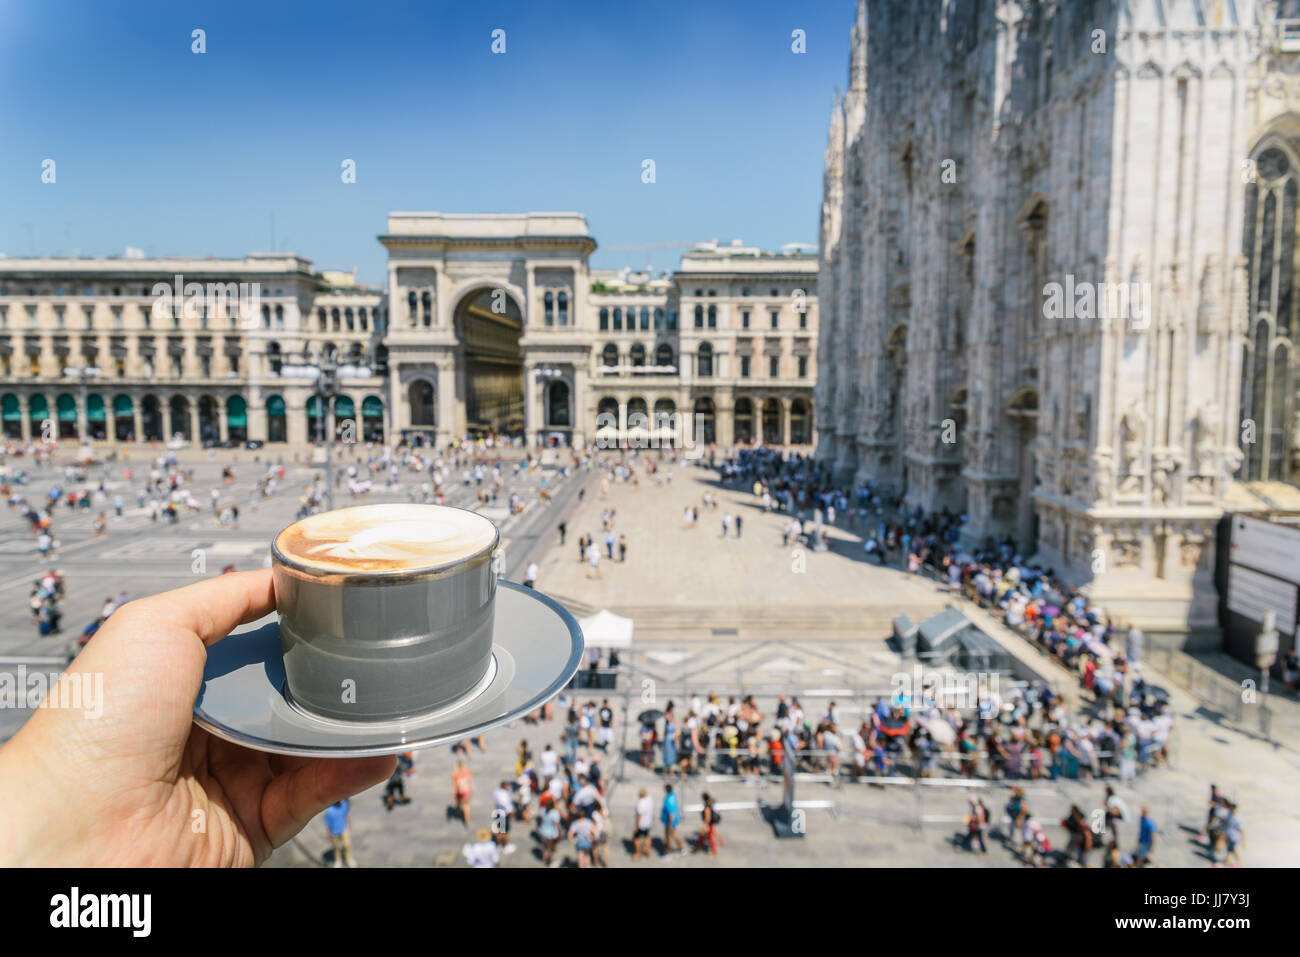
386 611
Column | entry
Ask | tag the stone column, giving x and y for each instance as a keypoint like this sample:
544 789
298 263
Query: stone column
136 415
193 405
785 421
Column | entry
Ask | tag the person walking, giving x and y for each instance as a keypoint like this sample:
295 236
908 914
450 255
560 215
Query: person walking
622 548
338 819
670 816
739 521
643 818
1146 839
583 833
977 819
549 829
462 786
593 561
709 832
562 529
395 789
530 575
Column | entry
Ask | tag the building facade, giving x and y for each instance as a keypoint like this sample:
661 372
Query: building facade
488 323
1058 254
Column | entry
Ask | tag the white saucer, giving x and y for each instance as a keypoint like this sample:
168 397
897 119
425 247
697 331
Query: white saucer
536 649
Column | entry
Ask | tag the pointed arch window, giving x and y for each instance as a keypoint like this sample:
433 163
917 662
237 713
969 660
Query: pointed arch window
1268 374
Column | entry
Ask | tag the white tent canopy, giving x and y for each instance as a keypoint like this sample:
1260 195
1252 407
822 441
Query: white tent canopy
606 630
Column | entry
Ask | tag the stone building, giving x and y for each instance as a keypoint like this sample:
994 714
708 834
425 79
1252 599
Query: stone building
487 323
1058 254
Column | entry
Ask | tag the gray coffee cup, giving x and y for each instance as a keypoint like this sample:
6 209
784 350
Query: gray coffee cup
383 646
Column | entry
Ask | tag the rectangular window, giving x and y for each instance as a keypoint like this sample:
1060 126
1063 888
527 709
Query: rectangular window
776 316
803 367
744 367
773 366
803 320
744 319
206 363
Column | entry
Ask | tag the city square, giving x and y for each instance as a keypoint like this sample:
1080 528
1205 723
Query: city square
427 506
706 623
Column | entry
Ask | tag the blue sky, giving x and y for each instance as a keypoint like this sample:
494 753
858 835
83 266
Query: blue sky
177 153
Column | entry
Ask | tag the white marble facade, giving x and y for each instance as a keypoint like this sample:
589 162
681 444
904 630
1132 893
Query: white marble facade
1056 283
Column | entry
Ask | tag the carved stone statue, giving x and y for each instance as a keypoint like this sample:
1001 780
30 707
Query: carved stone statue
1206 439
1133 431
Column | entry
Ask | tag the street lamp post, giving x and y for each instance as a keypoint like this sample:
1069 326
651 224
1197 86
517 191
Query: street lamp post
326 386
327 373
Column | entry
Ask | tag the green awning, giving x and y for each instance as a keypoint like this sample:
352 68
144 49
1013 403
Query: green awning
275 405
122 405
39 408
372 407
12 410
67 408
236 412
94 408
313 407
343 408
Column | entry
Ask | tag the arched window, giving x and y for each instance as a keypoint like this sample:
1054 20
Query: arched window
704 360
713 317
273 358
413 307
672 320
557 405
659 319
420 395
320 319
800 423
563 300
744 421
705 421
604 320
609 356
699 317
361 318
348 321
334 319
548 309
279 317
664 355
426 302
638 354
266 317
1268 372
645 319
618 319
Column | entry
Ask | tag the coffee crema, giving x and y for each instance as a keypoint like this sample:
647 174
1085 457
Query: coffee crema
380 538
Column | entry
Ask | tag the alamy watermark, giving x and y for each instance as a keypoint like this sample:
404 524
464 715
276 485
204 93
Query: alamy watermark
963 691
1129 302
78 691
212 300
654 430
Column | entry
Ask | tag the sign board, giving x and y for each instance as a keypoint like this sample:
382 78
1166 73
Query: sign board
1252 595
1267 547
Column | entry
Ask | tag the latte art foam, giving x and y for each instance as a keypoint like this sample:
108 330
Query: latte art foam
386 537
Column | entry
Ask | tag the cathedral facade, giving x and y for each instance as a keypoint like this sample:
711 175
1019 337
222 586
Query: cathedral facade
1058 260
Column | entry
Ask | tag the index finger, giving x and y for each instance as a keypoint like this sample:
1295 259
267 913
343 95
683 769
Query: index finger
213 608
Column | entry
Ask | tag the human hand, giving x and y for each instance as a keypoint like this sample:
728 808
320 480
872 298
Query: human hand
131 786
